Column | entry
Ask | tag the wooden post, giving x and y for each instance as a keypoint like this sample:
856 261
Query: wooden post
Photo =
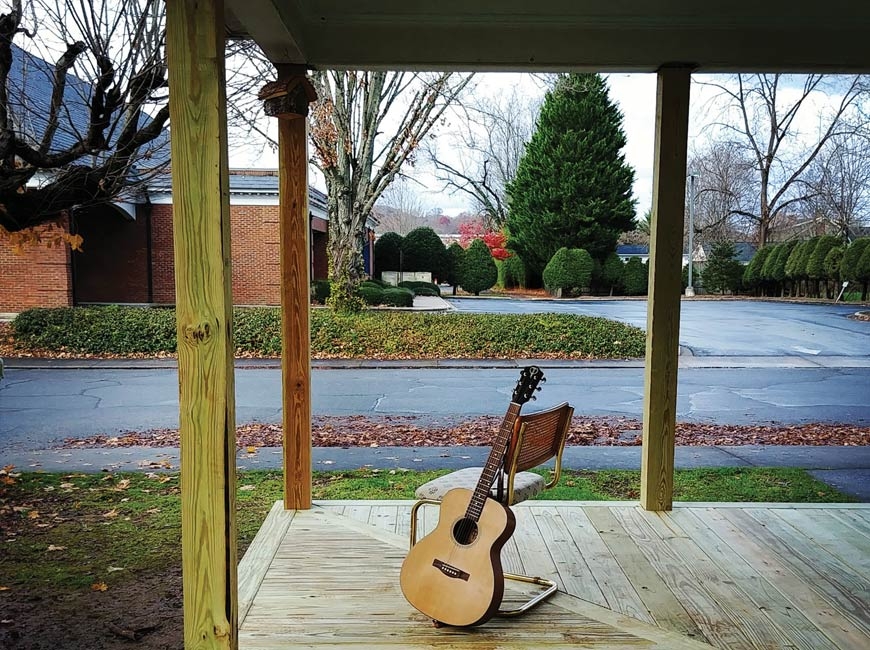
201 222
663 307
288 99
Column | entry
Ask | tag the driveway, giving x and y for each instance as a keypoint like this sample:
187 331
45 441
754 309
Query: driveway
721 327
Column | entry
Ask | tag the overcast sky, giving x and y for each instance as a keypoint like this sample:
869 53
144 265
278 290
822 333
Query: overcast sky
635 96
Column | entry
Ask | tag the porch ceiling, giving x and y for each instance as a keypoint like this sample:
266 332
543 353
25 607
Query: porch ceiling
616 35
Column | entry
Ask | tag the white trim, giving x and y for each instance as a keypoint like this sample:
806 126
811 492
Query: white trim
239 198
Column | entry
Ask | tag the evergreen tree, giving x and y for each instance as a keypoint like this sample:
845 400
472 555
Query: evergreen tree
723 272
752 273
477 272
635 277
424 251
455 253
514 272
573 187
832 262
783 252
388 249
570 269
851 264
611 273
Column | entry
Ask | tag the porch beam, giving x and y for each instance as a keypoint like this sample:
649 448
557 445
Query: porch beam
203 274
663 303
287 99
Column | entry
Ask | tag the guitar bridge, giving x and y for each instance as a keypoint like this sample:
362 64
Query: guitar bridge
450 571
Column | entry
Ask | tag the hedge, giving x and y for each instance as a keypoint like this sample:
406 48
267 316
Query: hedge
131 330
414 285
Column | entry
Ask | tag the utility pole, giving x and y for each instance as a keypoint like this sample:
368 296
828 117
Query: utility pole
690 290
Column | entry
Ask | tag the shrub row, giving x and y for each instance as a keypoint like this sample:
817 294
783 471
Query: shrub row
257 331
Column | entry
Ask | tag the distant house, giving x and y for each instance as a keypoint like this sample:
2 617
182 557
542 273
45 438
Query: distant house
744 252
628 251
127 254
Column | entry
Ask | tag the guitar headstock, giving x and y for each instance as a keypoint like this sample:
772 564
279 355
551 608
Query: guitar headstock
527 384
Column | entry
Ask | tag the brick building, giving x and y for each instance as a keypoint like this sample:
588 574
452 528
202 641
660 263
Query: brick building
127 254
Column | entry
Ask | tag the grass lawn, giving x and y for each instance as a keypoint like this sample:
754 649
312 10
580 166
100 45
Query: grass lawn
75 531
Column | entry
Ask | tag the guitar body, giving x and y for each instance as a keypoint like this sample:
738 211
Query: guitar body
454 575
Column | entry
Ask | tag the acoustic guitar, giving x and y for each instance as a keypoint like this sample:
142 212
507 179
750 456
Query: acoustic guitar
454 574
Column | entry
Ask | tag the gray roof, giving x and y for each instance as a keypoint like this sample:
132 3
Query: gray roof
744 251
30 87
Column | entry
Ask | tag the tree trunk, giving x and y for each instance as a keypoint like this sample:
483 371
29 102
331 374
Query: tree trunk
346 238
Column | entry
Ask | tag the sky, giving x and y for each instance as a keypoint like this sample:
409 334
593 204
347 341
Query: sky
633 93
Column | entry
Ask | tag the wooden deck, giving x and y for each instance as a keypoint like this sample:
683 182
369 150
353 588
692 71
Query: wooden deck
704 575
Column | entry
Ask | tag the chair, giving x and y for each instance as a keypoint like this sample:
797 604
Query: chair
538 437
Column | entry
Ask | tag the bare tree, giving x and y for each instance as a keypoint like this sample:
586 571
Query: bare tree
487 145
724 193
838 184
400 209
364 127
92 135
762 117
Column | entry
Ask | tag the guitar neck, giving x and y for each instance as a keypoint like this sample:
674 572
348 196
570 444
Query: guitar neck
493 463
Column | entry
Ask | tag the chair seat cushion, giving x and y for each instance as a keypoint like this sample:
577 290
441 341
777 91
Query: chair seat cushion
526 484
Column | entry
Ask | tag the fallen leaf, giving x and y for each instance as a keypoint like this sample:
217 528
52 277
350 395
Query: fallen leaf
123 484
3 588
111 514
247 488
99 586
251 449
52 547
67 486
112 569
33 514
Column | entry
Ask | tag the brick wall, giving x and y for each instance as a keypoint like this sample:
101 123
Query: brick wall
256 274
113 263
38 277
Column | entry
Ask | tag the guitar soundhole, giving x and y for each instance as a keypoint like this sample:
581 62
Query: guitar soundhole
465 531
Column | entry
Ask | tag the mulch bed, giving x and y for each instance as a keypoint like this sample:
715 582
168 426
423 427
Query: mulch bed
415 431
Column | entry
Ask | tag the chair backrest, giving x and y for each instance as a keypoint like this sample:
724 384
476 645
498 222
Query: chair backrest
539 437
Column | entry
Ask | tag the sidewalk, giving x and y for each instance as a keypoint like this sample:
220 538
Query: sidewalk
845 468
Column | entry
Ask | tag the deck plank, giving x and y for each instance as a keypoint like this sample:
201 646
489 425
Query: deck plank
768 600
574 573
658 599
713 605
619 594
350 597
794 585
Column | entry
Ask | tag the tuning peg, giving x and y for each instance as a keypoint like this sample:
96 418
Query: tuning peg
533 397
537 388
543 380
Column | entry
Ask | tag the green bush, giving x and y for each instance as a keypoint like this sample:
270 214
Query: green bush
320 291
92 330
832 262
752 273
424 251
371 293
514 272
478 272
388 252
849 265
398 297
414 285
426 291
635 277
380 283
696 276
371 334
722 272
570 269
453 259
611 273
816 260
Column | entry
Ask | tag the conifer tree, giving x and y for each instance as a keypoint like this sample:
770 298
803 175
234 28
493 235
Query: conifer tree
573 187
477 272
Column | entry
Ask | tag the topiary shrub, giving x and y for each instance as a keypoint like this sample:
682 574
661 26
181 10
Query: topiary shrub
398 297
832 262
570 269
611 273
453 261
388 252
414 285
320 291
424 251
426 291
371 293
514 272
635 277
380 283
478 272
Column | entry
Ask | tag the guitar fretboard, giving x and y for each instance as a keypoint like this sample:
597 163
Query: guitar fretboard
493 463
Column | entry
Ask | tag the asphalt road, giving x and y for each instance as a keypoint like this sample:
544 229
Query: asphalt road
41 406
721 327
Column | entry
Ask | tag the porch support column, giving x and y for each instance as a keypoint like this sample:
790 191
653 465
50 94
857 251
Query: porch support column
288 99
201 223
663 306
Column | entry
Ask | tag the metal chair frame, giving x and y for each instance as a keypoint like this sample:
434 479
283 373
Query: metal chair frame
514 457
